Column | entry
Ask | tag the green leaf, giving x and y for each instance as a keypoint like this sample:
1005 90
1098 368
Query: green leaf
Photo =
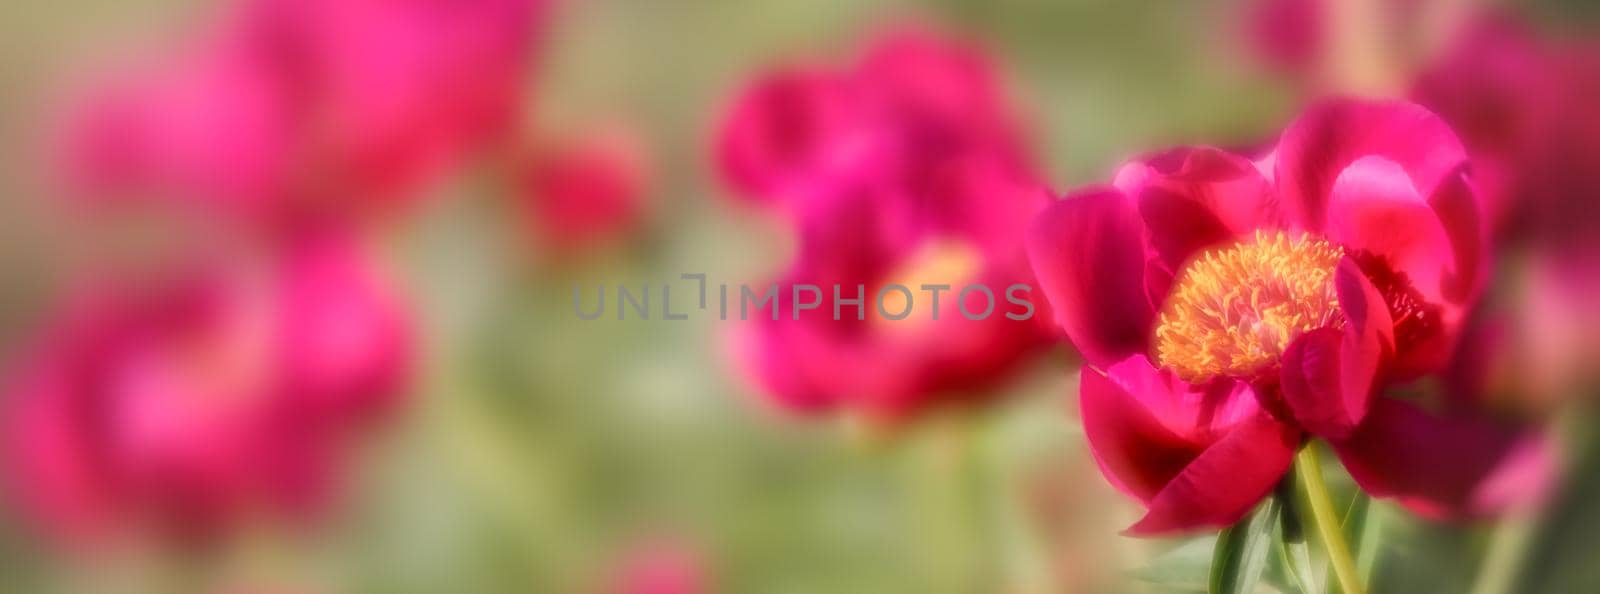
1294 552
1242 551
1183 568
1364 528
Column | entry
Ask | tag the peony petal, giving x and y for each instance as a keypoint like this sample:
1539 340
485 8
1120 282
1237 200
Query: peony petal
1375 209
1461 216
1087 252
783 129
1223 483
1445 466
1197 412
1193 198
1368 336
1316 149
1226 184
1312 384
1328 374
1136 452
771 361
1179 226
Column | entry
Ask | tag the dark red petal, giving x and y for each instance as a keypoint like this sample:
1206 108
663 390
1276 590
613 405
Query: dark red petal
1312 384
1317 148
1460 213
1088 254
1445 466
1137 452
1221 485
1328 374
1179 226
1195 197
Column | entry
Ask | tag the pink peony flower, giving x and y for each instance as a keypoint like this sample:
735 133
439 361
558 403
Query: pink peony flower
1287 35
396 91
787 127
902 170
587 190
1229 308
1504 91
913 97
1333 46
193 401
205 129
1523 104
664 567
292 107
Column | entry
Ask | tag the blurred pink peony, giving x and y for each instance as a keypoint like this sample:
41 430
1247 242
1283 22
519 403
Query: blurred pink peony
662 567
913 99
206 130
286 107
587 190
906 168
1524 105
1229 308
1287 35
395 91
786 127
1504 92
190 402
1342 46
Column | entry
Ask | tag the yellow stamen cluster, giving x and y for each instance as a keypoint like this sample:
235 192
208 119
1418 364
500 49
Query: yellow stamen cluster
1234 310
948 262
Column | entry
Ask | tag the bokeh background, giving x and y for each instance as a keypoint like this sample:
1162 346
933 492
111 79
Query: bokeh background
528 450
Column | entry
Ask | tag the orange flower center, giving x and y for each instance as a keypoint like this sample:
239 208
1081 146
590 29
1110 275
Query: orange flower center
1234 310
947 262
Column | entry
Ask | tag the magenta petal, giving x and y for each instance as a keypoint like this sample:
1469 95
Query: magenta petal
1317 148
1137 452
782 129
1445 466
1312 385
1227 185
1088 254
1460 214
1368 336
1328 374
1375 209
774 357
1193 198
50 470
1179 226
1221 485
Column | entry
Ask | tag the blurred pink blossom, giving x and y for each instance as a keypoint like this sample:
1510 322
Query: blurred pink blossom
905 167
662 567
287 107
1524 104
586 190
203 129
913 98
217 392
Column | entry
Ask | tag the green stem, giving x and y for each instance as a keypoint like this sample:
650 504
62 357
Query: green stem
1328 527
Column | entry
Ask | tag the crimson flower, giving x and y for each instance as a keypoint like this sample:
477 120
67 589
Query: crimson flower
913 99
662 566
216 392
1522 104
1228 309
285 109
586 190
904 168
